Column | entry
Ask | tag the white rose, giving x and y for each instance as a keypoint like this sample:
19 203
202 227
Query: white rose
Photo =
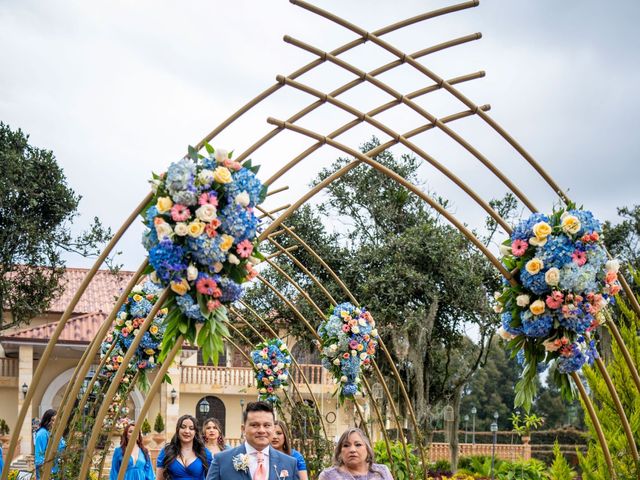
612 266
280 366
552 276
254 260
221 155
363 356
333 347
181 229
151 360
136 289
192 272
498 308
355 329
523 300
265 367
123 315
362 322
205 176
163 230
374 332
233 259
505 250
206 212
283 377
343 379
537 242
243 199
336 361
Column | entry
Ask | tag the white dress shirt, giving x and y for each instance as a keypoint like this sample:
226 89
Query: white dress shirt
253 459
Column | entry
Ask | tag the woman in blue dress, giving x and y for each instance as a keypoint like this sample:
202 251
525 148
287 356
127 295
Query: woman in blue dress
212 436
282 441
41 440
139 467
185 457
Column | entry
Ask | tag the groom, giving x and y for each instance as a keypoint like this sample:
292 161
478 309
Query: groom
255 459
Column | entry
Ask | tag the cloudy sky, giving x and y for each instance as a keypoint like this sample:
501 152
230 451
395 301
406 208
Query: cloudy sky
119 89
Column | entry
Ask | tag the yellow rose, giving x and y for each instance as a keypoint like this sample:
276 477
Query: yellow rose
571 224
149 351
541 230
227 242
534 265
153 329
222 175
137 297
164 204
195 228
537 307
180 287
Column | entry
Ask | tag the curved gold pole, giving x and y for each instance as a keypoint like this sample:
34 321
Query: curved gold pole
625 352
42 364
361 116
116 380
596 423
155 386
338 51
391 174
420 111
373 37
74 385
383 428
619 408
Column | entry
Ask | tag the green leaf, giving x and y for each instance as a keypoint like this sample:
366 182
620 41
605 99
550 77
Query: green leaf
193 153
209 148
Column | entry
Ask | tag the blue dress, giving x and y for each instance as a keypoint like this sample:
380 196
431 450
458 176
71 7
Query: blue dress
142 470
302 465
1 461
41 441
194 471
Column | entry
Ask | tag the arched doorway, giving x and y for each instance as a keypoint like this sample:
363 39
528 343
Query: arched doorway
211 406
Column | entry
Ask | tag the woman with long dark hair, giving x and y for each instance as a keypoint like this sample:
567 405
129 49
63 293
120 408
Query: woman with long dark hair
212 435
282 441
185 457
139 466
41 440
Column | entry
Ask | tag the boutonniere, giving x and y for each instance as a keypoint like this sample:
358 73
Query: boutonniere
283 473
241 462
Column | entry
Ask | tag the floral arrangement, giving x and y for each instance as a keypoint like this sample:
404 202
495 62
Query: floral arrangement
271 361
113 362
564 283
130 317
201 240
347 343
241 462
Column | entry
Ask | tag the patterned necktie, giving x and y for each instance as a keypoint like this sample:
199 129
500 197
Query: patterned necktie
261 471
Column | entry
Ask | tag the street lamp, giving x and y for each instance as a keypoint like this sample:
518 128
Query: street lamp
204 407
494 429
25 389
466 424
174 395
474 410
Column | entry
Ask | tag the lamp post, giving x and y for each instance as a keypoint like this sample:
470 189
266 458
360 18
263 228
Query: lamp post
466 424
474 410
494 430
174 395
204 407
25 389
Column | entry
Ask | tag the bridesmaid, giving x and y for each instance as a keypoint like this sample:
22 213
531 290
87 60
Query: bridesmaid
213 437
185 457
139 466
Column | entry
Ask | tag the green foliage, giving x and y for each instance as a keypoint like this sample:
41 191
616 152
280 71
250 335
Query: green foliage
158 425
4 427
523 425
521 470
593 464
560 468
37 208
442 466
397 463
146 427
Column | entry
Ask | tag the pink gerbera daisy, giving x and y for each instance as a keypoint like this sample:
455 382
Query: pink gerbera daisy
244 248
208 197
518 247
206 286
180 213
579 257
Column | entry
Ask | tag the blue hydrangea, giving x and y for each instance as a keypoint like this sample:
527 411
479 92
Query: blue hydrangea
151 288
231 291
506 324
588 224
536 325
167 259
152 213
127 341
190 308
180 182
148 342
572 363
206 250
149 239
578 322
349 390
332 327
141 308
244 180
238 222
524 229
556 252
536 283
579 279
350 367
520 358
209 163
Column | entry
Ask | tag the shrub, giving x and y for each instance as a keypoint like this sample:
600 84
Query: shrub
523 470
158 425
4 428
560 468
397 463
146 427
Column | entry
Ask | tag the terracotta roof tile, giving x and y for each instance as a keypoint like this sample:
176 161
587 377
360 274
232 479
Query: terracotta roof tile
77 329
99 295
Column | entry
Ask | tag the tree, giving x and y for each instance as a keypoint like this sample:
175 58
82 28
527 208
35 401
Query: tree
37 208
623 239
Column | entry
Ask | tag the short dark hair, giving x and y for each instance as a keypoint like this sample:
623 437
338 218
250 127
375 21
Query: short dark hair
257 407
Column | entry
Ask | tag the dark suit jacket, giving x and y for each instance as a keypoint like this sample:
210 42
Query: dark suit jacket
222 466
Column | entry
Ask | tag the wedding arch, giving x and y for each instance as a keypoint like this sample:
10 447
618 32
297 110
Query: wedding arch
276 220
